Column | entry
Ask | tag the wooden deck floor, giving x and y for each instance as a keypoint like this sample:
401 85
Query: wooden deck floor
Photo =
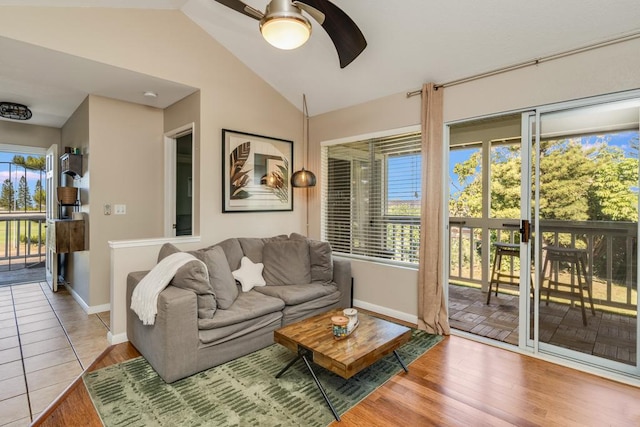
611 336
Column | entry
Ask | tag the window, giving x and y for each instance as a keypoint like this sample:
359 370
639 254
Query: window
371 196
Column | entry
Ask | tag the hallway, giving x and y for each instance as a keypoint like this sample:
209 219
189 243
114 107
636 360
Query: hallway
46 341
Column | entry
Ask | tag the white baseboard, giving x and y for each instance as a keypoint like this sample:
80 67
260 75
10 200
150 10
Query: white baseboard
99 308
117 338
386 311
78 299
87 308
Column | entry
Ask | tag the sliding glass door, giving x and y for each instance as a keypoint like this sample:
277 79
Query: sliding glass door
543 230
585 181
485 175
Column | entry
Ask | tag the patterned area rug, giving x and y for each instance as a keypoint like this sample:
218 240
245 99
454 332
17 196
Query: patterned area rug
243 392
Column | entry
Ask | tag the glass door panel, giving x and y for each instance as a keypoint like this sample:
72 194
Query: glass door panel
585 192
484 212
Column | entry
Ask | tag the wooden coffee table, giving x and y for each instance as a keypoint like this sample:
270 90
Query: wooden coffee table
312 339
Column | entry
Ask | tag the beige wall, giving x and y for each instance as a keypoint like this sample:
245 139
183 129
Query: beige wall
168 45
232 96
612 69
126 162
122 163
28 135
75 133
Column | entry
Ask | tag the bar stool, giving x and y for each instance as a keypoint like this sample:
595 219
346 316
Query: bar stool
503 249
577 259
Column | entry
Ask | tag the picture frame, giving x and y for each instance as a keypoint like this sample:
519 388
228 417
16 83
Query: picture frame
256 173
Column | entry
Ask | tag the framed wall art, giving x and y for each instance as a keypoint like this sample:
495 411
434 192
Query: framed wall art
255 173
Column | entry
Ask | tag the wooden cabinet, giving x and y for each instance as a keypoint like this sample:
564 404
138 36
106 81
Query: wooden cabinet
66 235
71 164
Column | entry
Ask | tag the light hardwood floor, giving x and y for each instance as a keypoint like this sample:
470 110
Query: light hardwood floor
457 383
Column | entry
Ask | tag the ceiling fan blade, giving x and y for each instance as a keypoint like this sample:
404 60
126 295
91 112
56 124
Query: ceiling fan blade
344 33
243 8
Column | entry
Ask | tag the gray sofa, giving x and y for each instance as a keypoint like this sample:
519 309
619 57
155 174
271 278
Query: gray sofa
205 321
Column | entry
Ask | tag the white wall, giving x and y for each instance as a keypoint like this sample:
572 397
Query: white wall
606 70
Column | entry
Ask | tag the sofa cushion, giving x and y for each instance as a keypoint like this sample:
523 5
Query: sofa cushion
249 274
236 330
298 294
248 305
286 262
293 313
233 252
193 276
320 258
222 281
252 247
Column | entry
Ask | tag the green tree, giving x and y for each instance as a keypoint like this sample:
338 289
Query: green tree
579 182
611 194
467 200
8 194
566 173
23 201
505 181
39 196
35 163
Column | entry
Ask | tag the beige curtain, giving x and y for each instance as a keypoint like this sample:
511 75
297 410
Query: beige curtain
432 313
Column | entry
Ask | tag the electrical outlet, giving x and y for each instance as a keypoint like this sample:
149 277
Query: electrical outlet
107 209
121 209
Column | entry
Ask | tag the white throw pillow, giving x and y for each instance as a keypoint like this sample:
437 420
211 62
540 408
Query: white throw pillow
249 274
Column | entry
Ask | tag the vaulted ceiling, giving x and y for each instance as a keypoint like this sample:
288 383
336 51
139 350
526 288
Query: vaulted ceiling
409 42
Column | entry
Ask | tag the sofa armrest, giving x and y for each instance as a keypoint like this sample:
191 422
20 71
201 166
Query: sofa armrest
342 278
171 344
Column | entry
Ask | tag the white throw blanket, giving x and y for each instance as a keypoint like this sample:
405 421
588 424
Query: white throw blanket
144 300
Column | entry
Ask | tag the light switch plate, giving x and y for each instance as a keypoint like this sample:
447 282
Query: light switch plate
121 209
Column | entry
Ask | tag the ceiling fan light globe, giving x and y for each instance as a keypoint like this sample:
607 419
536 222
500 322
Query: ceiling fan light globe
285 33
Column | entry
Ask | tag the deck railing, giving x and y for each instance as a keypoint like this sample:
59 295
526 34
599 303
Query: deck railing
22 240
611 254
403 238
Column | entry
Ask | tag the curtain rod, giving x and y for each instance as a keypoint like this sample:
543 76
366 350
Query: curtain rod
531 62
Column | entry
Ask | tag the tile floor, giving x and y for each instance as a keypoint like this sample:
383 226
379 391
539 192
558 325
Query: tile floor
46 341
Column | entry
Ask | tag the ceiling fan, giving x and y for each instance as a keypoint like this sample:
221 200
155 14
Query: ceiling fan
284 26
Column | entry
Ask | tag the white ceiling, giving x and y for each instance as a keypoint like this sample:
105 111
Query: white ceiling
409 43
54 84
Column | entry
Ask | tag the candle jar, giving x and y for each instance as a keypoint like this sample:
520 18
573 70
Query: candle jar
352 315
339 327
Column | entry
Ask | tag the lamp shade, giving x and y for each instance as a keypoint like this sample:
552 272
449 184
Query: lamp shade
285 33
303 178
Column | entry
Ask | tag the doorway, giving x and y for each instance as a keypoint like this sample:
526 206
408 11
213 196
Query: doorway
22 214
559 187
484 210
179 185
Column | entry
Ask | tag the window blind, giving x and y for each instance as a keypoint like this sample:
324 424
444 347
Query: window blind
371 197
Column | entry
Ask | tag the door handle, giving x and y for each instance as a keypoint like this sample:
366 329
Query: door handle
525 231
